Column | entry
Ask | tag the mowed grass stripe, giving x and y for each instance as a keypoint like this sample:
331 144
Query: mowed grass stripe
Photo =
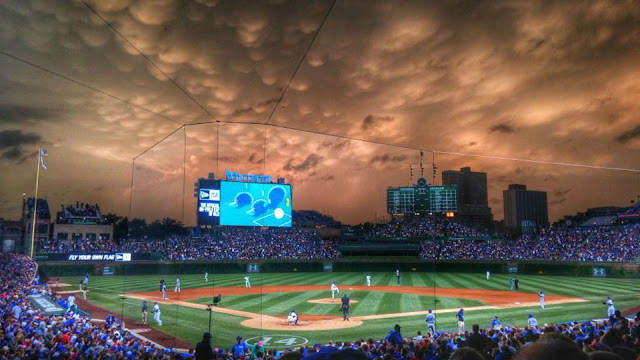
452 280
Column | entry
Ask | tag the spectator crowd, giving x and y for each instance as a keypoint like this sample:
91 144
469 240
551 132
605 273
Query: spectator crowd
600 244
28 333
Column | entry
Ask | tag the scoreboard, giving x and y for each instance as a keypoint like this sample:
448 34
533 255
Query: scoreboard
443 199
422 199
401 200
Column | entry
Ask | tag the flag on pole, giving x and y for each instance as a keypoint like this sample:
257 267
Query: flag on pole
43 153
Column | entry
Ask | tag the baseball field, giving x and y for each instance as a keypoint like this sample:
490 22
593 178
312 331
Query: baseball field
260 312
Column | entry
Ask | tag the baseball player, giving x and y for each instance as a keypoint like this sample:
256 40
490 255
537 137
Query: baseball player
177 289
611 310
247 282
86 278
84 291
206 276
344 306
398 275
511 283
431 322
532 322
541 294
488 274
516 282
144 312
460 316
292 319
368 277
334 289
495 323
156 313
164 291
71 300
110 320
80 284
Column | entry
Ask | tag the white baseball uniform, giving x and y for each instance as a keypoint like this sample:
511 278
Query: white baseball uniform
156 314
247 283
334 289
368 280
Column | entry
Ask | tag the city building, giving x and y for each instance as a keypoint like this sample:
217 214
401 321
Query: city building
43 223
473 199
81 222
525 209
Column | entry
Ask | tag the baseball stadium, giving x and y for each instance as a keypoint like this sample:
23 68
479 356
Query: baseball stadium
325 180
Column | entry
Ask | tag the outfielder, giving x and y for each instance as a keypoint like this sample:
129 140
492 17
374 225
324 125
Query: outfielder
541 294
368 277
398 275
511 283
488 274
206 276
156 313
164 291
292 319
334 289
431 322
247 283
611 310
177 289
144 312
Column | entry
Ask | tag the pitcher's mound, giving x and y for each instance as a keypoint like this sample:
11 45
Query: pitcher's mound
330 301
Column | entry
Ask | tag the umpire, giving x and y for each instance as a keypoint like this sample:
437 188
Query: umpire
345 308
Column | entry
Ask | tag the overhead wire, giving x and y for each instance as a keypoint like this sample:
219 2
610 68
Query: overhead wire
149 60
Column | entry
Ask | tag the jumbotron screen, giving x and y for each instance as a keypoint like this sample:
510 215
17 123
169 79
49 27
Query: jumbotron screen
208 202
255 204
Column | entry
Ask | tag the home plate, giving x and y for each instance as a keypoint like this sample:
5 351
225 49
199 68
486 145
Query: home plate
517 302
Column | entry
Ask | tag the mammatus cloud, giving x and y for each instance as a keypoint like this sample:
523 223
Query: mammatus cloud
502 128
629 135
309 163
388 158
13 143
371 121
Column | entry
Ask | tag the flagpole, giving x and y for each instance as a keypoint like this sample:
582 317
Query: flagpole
35 204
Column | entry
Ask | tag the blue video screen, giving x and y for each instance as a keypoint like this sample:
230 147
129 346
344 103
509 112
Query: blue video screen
255 204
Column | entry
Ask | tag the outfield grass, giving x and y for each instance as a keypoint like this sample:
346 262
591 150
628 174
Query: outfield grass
189 323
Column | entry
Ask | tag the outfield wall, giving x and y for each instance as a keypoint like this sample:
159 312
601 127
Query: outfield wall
615 270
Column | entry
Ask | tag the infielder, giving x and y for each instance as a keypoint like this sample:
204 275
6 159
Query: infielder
398 275
292 319
532 322
156 313
611 310
511 283
247 283
177 289
431 322
488 274
164 291
334 289
541 294
206 276
368 277
460 317
144 312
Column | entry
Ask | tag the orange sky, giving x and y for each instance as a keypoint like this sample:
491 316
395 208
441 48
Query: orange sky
552 81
